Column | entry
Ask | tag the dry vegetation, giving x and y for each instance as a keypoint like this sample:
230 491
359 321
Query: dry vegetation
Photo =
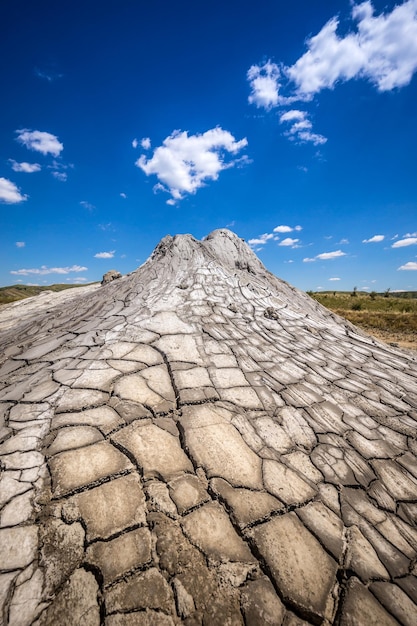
19 292
391 317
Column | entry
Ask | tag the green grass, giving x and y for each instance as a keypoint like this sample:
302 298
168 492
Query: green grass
393 317
364 302
19 292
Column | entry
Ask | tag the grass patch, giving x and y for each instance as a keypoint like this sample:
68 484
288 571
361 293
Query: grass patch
391 318
20 292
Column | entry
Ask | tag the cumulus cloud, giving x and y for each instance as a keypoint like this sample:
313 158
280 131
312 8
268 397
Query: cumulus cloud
326 256
43 270
402 243
183 163
145 143
374 239
286 229
28 168
135 143
261 240
20 244
10 193
123 195
383 50
40 141
411 265
263 81
105 255
301 127
288 241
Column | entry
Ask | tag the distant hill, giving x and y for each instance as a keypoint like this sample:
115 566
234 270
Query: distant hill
19 292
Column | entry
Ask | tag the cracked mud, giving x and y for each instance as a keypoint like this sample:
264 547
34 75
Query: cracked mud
200 443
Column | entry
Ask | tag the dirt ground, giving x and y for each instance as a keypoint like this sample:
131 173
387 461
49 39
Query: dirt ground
403 340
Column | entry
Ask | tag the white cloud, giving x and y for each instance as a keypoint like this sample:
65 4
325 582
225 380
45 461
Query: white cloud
383 50
135 143
28 168
183 163
42 142
300 128
261 240
333 279
314 138
292 116
325 256
286 229
43 270
263 80
105 255
374 239
20 244
411 265
145 143
343 242
410 235
10 193
123 195
288 241
401 243
307 260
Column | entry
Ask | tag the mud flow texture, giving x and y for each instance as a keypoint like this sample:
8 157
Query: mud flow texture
200 443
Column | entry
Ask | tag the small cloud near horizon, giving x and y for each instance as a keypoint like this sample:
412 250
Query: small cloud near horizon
288 241
374 239
105 255
43 270
411 265
402 243
325 256
286 229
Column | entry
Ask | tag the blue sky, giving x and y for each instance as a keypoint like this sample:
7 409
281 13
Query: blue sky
292 123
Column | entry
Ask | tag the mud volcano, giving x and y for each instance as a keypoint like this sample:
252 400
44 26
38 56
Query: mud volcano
200 443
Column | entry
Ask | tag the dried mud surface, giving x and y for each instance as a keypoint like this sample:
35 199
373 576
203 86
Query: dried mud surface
199 443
